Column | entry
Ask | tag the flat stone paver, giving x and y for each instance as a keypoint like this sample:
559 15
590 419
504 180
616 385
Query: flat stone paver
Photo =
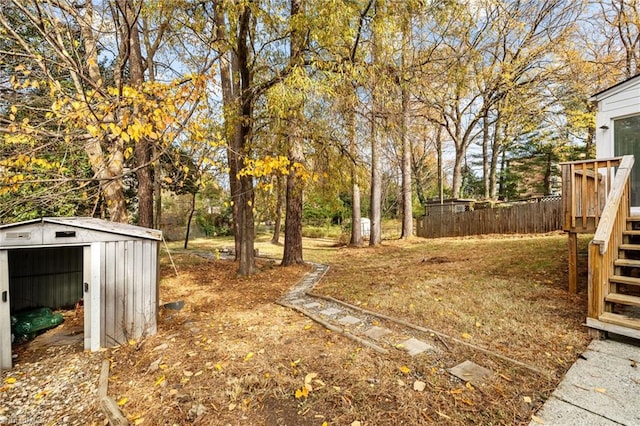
349 320
469 371
297 301
376 333
312 305
331 312
414 346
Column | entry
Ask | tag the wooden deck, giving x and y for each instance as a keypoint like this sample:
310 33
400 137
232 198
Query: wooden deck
596 199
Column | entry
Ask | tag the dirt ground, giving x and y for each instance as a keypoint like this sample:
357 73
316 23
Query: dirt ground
232 356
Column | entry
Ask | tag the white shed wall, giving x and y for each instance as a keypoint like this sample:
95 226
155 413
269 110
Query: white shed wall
129 290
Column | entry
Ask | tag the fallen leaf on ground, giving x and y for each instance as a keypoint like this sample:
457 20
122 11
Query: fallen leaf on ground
537 419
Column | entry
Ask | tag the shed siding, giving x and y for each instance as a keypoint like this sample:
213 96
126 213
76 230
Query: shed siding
45 277
129 290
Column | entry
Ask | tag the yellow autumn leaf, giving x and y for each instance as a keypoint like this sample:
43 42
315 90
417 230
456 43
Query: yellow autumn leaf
466 336
249 356
122 401
302 392
218 367
138 421
93 130
10 380
132 342
41 394
469 386
160 380
309 377
14 110
405 370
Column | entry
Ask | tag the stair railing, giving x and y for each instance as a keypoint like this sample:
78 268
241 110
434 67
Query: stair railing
585 187
603 249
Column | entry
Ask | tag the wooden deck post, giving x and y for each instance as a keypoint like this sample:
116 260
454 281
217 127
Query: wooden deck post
573 262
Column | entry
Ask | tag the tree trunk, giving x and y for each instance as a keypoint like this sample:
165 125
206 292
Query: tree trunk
495 155
440 165
231 109
142 149
245 197
486 181
295 184
407 198
192 210
293 225
278 219
107 168
375 236
457 172
375 214
356 232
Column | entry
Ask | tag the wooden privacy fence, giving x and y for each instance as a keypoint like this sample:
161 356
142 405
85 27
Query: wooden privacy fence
527 218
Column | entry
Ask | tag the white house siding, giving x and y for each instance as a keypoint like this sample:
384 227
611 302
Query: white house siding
622 101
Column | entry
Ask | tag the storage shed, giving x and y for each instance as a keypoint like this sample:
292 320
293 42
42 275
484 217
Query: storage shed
56 262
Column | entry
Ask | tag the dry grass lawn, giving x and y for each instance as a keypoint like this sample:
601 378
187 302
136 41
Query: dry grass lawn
232 356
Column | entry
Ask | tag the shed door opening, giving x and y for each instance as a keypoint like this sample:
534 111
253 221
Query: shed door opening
49 277
45 277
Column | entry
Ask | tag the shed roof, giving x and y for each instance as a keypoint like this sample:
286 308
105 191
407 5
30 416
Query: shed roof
616 88
95 224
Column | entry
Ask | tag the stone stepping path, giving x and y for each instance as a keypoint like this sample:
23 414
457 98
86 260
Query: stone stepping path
361 326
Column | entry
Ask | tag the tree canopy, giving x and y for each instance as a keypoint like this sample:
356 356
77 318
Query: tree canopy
295 107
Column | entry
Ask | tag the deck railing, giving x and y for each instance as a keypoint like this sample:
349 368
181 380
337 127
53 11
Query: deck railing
603 250
585 187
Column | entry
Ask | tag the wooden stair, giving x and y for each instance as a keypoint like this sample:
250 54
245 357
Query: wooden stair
622 303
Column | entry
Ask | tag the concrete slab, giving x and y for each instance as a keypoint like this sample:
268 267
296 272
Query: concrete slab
312 305
559 413
329 312
297 301
469 371
614 395
377 333
625 350
414 346
349 320
602 388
